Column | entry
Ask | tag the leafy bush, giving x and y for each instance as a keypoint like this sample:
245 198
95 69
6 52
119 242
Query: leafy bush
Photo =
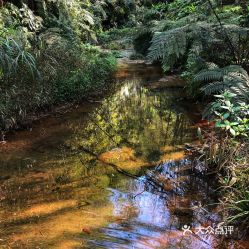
41 66
239 207
229 115
90 75
115 34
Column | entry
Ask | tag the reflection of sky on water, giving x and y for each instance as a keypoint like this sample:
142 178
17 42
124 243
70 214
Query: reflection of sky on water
144 220
150 208
151 216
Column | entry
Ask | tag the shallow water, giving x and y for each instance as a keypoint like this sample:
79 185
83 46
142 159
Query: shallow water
55 194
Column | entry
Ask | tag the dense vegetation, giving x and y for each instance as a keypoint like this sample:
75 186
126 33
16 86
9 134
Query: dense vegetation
48 55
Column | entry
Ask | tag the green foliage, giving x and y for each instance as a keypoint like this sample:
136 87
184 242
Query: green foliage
67 72
189 40
229 115
44 61
156 11
142 41
115 34
203 39
114 13
14 57
239 206
94 70
179 9
168 46
232 78
207 41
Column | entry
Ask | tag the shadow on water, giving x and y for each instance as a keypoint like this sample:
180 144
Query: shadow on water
54 195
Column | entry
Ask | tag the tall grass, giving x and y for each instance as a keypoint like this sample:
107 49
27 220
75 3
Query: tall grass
227 160
60 72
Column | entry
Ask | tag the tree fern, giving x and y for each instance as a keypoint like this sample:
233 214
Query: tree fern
232 78
214 87
169 46
228 41
241 87
209 75
173 44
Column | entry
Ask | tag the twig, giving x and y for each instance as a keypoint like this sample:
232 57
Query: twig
150 181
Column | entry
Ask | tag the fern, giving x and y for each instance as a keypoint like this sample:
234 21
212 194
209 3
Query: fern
169 46
214 87
232 78
209 75
222 44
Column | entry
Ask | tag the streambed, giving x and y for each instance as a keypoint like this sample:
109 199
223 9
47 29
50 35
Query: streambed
56 195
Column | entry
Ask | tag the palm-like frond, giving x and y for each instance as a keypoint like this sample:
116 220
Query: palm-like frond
217 74
214 87
232 78
169 45
180 38
209 75
241 87
175 39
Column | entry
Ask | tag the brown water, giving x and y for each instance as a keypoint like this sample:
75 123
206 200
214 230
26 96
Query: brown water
55 195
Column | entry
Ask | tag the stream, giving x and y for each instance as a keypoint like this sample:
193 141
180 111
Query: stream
53 194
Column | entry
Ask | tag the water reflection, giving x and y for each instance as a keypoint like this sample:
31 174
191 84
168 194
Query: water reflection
137 118
54 195
146 219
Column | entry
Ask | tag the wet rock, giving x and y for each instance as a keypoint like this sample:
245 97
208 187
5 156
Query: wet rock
124 158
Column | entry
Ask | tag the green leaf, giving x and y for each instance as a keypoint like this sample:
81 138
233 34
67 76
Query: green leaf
228 103
227 122
233 132
226 115
225 107
234 123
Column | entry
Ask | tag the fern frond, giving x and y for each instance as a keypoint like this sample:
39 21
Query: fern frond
209 75
168 45
215 87
232 78
235 69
